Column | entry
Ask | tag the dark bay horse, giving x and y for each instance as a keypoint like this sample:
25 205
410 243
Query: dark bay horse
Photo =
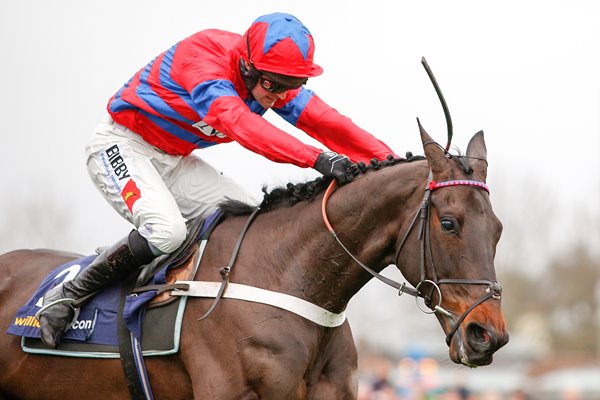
247 351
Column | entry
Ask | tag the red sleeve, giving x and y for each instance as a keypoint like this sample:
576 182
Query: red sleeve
231 116
339 133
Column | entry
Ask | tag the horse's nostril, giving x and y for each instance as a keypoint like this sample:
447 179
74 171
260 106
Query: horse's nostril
479 337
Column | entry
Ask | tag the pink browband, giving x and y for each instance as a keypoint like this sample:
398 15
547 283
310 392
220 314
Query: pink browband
436 185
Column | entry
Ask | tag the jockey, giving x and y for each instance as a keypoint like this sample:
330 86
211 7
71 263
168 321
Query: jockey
210 88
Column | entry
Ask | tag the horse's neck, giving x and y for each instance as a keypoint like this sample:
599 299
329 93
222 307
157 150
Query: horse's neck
367 216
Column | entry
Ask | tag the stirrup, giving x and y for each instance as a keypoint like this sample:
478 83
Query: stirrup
67 300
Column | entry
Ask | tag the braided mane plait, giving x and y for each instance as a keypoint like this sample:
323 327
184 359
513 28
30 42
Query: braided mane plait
293 193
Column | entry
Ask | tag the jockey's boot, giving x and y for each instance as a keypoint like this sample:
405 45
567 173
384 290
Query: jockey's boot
114 263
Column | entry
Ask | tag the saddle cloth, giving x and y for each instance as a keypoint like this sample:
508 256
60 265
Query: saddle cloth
94 333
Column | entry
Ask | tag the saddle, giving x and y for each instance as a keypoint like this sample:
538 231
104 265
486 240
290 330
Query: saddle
179 265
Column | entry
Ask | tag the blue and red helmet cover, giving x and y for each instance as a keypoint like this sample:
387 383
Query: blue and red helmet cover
281 44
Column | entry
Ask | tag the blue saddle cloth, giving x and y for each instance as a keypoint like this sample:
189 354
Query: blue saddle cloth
97 320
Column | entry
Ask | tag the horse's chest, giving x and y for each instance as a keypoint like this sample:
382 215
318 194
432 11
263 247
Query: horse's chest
265 354
306 364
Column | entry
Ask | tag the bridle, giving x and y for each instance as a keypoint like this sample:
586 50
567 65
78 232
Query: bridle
422 215
493 290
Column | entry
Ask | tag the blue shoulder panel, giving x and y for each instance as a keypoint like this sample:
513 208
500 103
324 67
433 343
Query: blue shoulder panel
292 110
205 93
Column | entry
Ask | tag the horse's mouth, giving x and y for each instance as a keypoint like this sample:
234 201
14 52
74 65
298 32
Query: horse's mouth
472 361
460 355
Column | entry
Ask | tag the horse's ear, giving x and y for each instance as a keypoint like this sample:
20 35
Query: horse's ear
478 153
436 157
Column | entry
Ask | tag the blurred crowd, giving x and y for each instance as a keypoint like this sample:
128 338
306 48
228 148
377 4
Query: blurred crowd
384 391
421 380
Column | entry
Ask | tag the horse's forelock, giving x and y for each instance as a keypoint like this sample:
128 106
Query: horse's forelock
464 164
462 161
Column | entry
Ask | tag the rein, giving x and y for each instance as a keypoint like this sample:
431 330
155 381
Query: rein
400 286
422 216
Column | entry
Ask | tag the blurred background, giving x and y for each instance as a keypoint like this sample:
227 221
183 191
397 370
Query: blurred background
526 72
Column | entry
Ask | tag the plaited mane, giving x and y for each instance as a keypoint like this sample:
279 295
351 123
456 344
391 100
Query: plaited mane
293 193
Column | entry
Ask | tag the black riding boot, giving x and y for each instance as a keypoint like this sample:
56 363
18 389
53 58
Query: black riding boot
114 263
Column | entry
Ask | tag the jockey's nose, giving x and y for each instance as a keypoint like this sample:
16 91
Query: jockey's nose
281 95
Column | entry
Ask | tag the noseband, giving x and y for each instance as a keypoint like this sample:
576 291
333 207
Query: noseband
494 290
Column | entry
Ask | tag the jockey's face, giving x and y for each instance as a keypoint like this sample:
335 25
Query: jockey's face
271 87
265 98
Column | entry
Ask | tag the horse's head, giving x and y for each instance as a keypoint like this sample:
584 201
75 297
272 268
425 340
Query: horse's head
458 232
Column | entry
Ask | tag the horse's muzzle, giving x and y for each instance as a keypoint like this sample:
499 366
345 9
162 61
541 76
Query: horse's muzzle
478 344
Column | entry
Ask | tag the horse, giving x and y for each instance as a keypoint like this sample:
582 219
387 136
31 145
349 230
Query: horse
444 247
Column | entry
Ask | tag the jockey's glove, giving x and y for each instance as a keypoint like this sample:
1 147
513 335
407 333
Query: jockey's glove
334 165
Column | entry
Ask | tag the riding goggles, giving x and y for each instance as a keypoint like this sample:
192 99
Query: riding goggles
272 86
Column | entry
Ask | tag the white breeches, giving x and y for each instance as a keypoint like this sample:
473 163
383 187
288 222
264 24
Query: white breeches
155 191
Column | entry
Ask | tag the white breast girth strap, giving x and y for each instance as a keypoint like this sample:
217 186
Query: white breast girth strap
237 291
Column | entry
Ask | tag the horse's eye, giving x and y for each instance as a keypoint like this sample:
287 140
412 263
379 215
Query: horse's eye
448 225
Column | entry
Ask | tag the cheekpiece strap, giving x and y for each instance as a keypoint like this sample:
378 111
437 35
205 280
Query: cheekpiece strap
458 182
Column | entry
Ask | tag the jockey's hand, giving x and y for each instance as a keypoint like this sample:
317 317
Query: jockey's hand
334 165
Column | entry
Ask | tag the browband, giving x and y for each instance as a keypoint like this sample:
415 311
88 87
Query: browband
458 182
